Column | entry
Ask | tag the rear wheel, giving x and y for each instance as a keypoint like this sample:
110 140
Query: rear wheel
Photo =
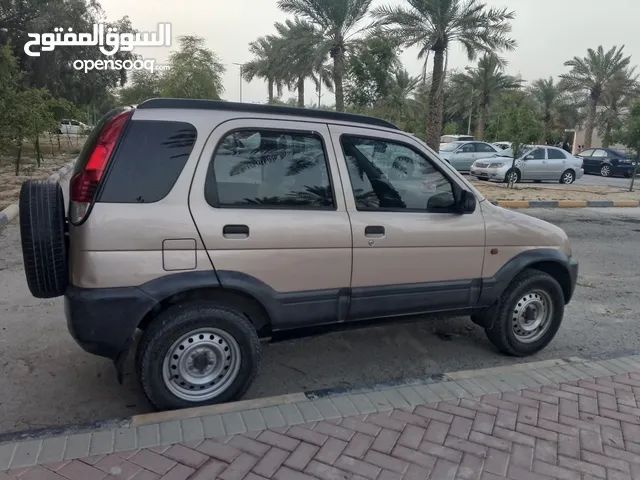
199 354
529 315
568 177
605 170
43 238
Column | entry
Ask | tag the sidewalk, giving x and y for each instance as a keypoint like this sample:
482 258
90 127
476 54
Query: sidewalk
566 419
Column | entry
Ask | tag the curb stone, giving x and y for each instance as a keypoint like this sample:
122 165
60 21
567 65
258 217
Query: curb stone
11 212
565 203
26 449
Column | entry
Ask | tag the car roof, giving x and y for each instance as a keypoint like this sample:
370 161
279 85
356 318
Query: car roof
193 104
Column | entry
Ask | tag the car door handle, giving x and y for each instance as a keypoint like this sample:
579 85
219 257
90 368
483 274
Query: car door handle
544 161
235 231
374 231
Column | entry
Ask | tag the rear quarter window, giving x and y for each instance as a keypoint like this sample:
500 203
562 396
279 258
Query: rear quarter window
148 161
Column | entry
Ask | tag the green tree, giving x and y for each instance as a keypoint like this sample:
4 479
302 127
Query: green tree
617 96
266 64
550 99
590 75
370 69
302 56
629 136
196 71
338 21
142 85
481 85
434 26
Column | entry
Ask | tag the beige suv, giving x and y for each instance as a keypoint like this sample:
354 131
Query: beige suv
210 225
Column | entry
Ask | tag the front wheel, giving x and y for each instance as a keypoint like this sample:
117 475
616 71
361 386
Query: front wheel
568 177
198 354
529 315
512 176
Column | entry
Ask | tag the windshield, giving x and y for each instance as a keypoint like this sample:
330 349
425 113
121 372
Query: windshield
450 147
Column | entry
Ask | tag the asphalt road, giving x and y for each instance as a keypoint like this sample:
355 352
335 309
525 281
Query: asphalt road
617 182
47 380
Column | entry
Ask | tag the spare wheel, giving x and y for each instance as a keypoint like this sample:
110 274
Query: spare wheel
43 236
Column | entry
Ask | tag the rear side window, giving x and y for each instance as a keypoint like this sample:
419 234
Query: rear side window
553 154
270 169
148 161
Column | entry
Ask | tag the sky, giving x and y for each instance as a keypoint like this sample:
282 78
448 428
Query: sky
548 33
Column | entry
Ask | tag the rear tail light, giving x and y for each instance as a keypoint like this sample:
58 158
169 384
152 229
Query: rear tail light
84 184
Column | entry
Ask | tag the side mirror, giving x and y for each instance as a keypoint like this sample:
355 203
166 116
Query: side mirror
467 203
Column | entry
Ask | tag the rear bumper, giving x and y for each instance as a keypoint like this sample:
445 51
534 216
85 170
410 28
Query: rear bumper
573 275
102 321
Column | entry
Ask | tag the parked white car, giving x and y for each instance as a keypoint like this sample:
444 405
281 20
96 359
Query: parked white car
445 139
538 163
72 127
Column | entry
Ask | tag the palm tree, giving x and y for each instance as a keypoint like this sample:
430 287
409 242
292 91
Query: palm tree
617 97
590 75
266 64
337 20
549 97
302 56
433 26
400 105
481 85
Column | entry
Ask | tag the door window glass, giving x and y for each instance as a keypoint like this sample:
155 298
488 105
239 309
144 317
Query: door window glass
485 148
387 175
269 169
467 148
599 153
553 154
537 154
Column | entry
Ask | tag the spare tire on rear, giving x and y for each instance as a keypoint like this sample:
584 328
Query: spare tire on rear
43 236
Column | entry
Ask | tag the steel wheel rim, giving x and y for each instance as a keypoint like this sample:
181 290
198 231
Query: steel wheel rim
201 364
605 171
531 317
568 177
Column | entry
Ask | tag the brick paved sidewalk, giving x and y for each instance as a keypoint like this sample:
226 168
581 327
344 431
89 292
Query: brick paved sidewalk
585 429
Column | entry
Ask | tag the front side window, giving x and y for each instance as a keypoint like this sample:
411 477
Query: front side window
537 154
269 169
467 148
485 148
586 153
554 154
387 175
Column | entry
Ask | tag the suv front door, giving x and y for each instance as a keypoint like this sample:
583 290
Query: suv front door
406 257
267 201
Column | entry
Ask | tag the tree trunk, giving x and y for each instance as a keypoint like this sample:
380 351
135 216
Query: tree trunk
38 153
591 121
436 101
338 72
18 159
606 140
300 88
270 86
482 121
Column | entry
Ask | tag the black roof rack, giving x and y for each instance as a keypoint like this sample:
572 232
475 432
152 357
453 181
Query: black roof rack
259 108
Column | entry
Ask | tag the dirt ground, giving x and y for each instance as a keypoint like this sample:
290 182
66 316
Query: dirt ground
547 191
54 156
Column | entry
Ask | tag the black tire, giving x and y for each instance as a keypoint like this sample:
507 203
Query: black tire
605 170
506 175
179 320
501 334
537 181
43 237
567 177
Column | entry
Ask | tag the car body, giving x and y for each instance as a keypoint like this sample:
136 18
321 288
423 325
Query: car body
607 162
444 139
462 154
210 225
72 127
537 163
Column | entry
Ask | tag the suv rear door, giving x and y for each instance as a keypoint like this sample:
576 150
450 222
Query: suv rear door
406 259
268 203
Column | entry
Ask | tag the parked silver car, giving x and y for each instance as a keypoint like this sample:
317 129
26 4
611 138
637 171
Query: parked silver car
538 163
461 155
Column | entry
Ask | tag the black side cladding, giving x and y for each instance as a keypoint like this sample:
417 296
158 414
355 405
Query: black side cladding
148 161
42 232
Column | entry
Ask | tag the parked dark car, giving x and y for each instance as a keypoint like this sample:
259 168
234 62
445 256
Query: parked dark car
607 162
